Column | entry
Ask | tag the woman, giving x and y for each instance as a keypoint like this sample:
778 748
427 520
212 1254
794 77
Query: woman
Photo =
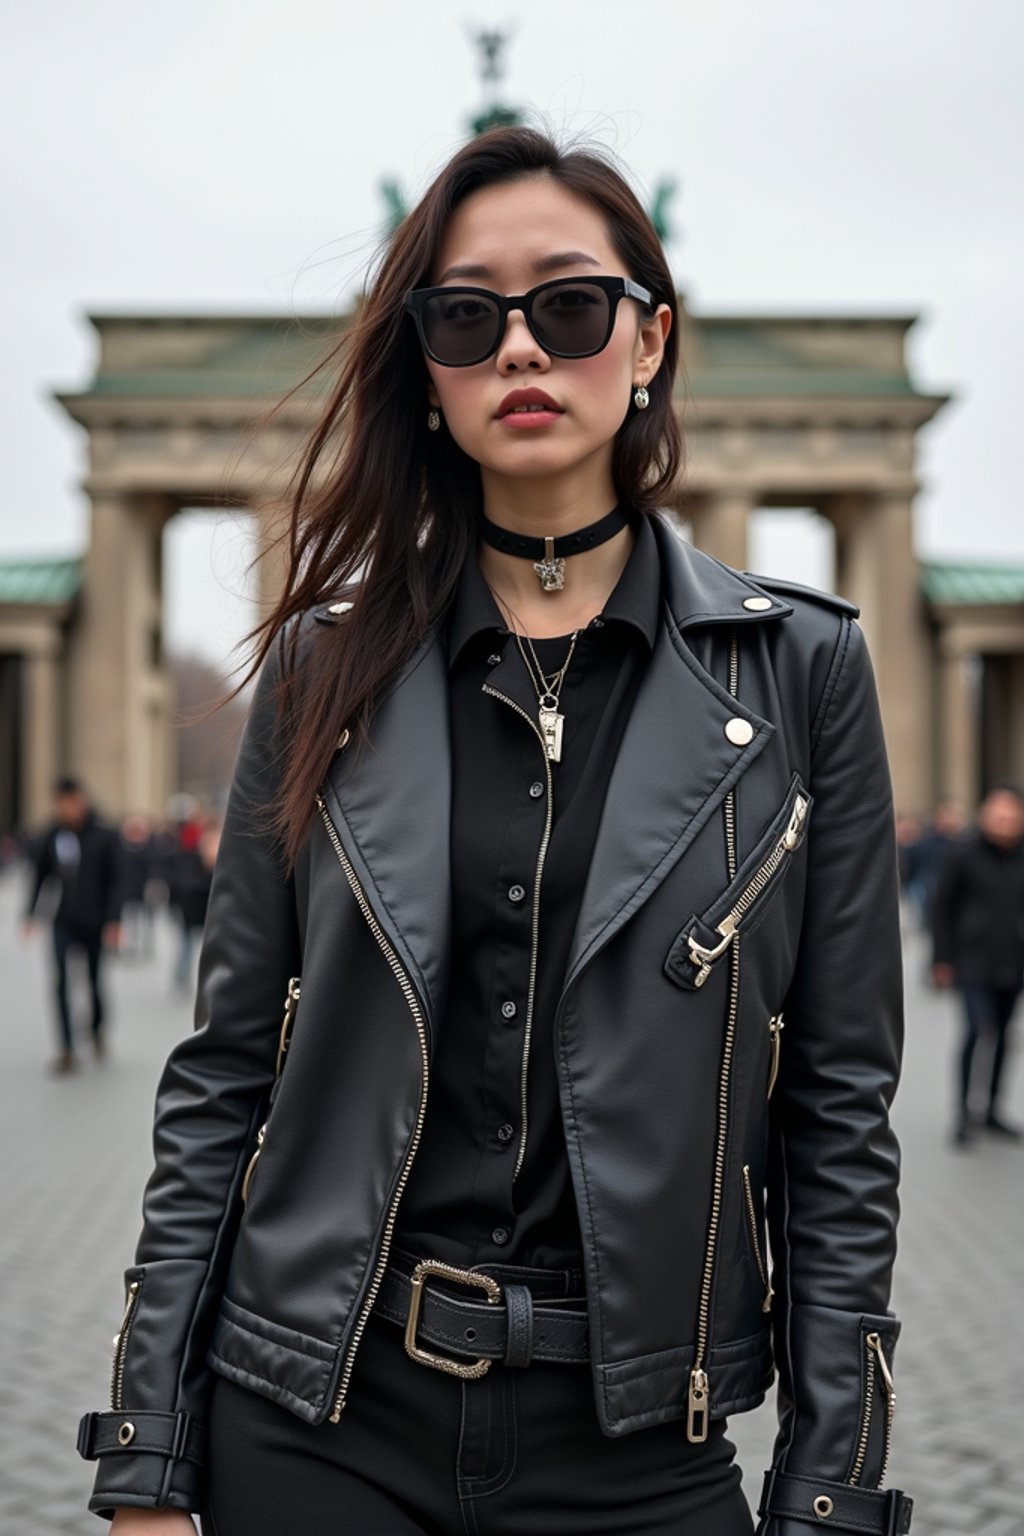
475 1240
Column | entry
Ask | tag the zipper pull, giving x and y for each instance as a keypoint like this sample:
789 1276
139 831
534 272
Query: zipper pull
793 832
874 1341
776 1025
697 1408
291 1002
133 1291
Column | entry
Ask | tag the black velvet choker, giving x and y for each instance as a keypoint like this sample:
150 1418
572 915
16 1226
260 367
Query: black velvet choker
549 555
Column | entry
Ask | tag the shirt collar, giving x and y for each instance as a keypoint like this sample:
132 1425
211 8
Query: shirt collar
635 599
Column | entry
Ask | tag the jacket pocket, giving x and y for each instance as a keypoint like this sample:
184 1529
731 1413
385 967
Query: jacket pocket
878 1407
291 1002
757 1247
705 939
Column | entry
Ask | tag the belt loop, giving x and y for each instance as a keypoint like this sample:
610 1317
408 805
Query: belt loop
519 1311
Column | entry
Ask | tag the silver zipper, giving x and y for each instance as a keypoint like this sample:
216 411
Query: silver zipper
703 956
876 1365
121 1348
421 1033
291 1002
776 1024
698 1410
524 1070
762 1267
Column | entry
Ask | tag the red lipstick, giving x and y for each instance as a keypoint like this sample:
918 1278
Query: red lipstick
528 408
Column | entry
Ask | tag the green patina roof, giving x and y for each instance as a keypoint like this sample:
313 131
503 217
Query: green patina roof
39 581
264 356
964 581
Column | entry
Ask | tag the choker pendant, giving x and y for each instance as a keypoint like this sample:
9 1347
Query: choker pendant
551 723
551 570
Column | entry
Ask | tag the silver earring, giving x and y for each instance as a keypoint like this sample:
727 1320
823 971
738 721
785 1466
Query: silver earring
433 419
641 399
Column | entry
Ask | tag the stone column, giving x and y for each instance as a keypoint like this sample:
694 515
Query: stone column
878 570
116 736
41 756
719 524
959 726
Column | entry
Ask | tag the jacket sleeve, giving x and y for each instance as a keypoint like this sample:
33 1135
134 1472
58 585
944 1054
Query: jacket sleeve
41 866
150 1444
834 1162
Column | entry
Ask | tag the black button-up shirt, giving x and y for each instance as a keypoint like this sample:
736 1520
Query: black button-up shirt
519 864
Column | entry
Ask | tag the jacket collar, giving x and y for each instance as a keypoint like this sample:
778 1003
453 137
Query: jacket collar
391 804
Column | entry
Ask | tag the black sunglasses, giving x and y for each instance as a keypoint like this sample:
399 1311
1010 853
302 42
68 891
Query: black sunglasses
568 316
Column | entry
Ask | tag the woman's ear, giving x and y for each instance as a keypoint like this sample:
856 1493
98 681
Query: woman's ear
650 347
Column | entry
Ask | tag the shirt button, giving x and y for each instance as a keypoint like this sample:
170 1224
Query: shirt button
500 1235
536 790
516 892
505 1134
509 1010
494 658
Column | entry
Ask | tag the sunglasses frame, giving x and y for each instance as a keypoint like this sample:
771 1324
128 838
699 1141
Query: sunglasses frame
615 287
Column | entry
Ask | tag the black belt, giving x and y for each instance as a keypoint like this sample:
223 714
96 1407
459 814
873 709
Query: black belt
506 1325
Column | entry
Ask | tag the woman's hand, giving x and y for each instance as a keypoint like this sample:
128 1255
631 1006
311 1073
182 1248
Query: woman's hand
152 1522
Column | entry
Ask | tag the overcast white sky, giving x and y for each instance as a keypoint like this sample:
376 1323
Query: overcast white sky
843 155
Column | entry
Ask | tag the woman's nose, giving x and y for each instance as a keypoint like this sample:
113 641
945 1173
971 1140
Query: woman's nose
519 347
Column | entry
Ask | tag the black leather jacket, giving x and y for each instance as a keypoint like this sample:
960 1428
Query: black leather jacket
743 879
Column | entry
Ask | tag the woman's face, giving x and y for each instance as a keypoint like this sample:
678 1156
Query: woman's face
510 238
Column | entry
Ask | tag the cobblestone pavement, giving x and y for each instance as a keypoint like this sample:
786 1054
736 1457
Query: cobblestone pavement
74 1153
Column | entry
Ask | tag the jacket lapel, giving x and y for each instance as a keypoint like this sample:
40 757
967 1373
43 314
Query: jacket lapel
676 764
391 807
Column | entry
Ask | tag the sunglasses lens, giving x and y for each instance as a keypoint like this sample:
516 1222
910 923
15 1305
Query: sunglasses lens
460 327
572 319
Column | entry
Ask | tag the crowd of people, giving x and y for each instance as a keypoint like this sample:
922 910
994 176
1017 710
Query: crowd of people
100 888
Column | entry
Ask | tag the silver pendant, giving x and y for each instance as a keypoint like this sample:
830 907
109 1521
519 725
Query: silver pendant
551 569
551 723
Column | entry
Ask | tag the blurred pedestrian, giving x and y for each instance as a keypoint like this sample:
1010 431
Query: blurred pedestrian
978 933
191 878
138 867
79 856
923 858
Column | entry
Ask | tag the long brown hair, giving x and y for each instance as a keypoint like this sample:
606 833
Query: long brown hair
386 508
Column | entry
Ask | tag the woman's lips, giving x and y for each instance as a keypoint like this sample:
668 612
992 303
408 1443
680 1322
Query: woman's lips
529 409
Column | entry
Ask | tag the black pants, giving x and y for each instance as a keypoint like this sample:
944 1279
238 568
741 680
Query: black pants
987 1011
66 937
418 1453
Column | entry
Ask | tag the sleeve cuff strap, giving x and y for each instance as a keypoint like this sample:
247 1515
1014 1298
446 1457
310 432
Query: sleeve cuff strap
835 1506
174 1435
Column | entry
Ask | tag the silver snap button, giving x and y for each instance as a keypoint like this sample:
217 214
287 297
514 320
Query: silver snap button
739 732
536 790
500 1235
494 658
758 604
508 1010
505 1134
822 1506
126 1434
516 892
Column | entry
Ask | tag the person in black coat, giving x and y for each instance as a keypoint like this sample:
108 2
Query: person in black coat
978 934
79 854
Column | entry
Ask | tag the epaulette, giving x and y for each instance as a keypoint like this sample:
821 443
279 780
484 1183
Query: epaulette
813 594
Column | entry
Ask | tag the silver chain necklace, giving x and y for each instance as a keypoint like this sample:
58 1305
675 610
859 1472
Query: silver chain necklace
548 690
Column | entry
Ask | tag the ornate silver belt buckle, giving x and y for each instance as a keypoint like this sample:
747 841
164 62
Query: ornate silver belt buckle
467 1370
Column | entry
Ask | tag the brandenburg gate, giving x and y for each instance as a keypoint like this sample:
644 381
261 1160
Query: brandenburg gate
185 412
